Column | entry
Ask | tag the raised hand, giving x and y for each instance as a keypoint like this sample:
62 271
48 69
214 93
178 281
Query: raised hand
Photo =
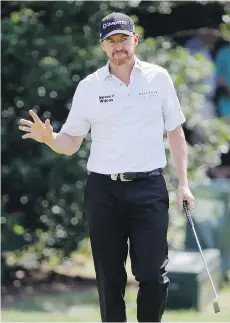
37 130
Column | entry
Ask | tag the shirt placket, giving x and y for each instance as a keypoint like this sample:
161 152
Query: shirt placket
124 90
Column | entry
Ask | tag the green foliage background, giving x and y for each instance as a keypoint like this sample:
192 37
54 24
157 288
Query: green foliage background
47 47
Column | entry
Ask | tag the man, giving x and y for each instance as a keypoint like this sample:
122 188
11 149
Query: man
127 104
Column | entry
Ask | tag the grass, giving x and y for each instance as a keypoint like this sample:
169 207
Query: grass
81 305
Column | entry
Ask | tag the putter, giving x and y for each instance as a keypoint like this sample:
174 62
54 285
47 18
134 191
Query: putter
189 217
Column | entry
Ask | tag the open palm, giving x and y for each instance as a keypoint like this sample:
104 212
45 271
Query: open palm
36 130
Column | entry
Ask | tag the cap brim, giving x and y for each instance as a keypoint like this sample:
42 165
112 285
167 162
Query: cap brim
118 31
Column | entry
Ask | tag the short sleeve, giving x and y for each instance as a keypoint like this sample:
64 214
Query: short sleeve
77 123
172 113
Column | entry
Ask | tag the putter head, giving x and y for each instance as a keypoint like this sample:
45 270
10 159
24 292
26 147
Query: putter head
216 305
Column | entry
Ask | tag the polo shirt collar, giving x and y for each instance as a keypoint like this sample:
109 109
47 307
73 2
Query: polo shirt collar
137 64
106 72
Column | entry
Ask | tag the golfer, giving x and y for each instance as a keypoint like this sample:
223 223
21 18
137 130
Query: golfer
127 104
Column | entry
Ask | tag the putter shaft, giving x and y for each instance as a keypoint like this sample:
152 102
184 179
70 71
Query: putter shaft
215 302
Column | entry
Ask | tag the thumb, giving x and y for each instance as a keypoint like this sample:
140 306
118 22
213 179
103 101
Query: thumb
180 202
48 125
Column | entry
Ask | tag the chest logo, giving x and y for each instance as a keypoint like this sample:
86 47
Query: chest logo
148 94
106 98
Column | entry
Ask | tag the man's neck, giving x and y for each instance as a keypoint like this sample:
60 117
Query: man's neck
122 72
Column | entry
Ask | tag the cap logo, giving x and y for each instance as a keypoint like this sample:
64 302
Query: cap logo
114 23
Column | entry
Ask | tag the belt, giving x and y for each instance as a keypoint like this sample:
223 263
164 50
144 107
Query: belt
130 176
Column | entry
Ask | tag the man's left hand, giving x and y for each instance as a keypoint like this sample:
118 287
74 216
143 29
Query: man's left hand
184 193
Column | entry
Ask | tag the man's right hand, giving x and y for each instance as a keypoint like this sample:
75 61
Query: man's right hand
37 130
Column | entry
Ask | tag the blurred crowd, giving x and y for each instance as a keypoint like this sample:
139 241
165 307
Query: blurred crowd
216 103
214 229
216 49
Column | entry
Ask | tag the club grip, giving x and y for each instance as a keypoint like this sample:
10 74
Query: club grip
187 212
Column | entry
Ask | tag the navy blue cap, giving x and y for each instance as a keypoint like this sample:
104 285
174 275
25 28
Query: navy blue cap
116 23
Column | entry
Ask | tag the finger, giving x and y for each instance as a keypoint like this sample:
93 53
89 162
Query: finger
26 122
28 135
25 129
34 116
190 204
47 123
180 203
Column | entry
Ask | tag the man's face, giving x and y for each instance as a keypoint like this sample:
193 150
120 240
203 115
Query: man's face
120 48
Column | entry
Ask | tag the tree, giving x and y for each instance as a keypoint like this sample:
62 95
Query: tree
47 47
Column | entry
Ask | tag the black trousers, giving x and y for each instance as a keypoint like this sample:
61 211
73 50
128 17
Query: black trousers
136 211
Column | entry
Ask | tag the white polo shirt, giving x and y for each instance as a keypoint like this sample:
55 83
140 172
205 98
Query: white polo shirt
127 122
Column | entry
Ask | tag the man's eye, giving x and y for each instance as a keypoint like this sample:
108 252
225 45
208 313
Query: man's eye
111 41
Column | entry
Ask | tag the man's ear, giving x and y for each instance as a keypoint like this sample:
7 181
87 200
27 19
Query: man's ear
136 39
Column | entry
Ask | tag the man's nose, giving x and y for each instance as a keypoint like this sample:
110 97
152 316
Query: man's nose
118 45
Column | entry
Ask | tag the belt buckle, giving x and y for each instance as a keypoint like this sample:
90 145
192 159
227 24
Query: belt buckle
114 177
122 178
